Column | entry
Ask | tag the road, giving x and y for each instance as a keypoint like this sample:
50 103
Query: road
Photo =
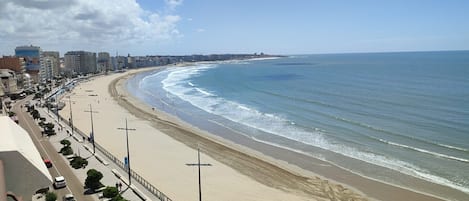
60 166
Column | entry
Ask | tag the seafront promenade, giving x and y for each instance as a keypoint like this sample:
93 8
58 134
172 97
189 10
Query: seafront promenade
105 160
113 169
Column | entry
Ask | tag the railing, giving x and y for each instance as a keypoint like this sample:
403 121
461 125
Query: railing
160 195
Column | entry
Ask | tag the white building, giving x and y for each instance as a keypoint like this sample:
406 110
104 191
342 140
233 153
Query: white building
8 82
24 171
54 59
50 69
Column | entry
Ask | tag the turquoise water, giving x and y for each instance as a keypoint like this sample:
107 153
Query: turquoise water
408 112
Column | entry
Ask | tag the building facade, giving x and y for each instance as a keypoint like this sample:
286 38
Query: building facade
54 59
80 62
49 69
8 82
13 63
17 65
32 56
104 61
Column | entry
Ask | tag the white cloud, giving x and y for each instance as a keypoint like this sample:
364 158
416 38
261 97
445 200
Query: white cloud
199 30
83 24
172 4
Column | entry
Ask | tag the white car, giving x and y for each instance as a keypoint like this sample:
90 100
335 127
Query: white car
59 182
68 197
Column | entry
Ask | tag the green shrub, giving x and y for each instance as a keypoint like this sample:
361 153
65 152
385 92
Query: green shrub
65 143
49 129
118 198
110 192
10 114
51 196
78 162
92 181
66 150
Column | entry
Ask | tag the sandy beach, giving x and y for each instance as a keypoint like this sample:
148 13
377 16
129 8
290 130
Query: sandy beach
162 145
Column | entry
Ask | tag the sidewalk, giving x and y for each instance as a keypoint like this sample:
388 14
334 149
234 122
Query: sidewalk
112 172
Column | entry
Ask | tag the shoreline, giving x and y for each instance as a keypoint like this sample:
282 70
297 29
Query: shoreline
388 191
246 157
252 164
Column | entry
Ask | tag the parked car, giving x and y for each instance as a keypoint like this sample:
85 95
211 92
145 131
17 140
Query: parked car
68 197
59 182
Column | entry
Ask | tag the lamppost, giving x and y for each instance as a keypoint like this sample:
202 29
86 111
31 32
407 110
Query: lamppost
128 151
71 117
92 129
198 164
57 109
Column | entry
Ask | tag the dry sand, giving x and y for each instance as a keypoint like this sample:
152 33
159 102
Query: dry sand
162 145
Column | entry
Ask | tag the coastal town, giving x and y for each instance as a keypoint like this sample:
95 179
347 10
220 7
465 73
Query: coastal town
35 87
30 65
179 100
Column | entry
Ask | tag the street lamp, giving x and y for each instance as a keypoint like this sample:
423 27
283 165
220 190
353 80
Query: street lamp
71 117
128 151
198 164
92 129
57 109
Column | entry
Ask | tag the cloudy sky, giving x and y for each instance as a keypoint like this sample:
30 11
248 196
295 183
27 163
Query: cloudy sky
149 27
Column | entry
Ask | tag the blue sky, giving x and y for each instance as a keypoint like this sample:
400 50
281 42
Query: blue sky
280 27
310 26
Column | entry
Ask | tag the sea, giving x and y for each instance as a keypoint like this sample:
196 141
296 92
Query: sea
406 112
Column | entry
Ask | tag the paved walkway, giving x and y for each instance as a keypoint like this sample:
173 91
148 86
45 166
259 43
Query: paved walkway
112 173
60 167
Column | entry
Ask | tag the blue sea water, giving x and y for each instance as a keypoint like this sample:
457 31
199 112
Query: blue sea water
408 112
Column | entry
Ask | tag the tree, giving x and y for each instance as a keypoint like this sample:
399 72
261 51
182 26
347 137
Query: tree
118 198
51 196
92 181
35 114
49 129
29 108
10 114
37 95
65 143
66 149
110 192
78 162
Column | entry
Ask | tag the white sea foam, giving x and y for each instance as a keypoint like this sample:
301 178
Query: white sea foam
453 147
425 151
204 92
176 84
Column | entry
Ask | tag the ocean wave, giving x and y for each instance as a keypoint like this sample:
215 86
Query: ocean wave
206 93
408 138
425 151
176 84
453 147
